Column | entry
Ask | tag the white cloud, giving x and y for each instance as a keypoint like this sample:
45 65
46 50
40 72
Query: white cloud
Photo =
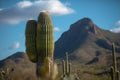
57 29
16 45
116 30
117 23
24 4
1 9
27 9
117 27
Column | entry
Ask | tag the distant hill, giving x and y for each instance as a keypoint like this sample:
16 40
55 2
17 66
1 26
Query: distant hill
20 68
85 41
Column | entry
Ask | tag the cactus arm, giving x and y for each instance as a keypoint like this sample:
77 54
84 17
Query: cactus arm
63 66
118 75
30 35
114 57
114 61
112 73
67 63
69 68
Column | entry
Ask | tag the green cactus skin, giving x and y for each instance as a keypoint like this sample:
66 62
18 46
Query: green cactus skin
111 73
45 40
45 44
114 61
63 66
118 75
114 57
114 72
30 42
67 68
67 72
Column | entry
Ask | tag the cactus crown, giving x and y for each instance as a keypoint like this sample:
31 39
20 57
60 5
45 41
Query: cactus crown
44 18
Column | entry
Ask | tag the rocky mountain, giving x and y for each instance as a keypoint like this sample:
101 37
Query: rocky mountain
85 42
19 67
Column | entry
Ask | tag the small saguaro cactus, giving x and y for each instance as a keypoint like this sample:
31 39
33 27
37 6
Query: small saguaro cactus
67 70
40 46
114 71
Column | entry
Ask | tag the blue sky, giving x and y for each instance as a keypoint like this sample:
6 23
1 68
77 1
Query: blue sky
15 13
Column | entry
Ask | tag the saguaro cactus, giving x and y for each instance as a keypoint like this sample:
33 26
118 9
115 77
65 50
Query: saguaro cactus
67 70
40 46
114 71
45 43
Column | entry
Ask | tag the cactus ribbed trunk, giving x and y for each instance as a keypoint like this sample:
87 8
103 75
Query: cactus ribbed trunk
118 75
30 42
45 43
114 62
112 73
45 40
67 69
63 66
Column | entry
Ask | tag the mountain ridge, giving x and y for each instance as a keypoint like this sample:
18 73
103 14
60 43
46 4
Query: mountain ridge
84 40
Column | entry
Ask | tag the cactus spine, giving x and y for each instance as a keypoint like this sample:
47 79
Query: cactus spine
40 46
114 72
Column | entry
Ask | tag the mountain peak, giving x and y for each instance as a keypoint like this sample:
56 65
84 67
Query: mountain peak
85 21
85 24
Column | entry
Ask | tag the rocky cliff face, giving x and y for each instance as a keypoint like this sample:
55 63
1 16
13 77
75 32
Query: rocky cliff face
84 41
